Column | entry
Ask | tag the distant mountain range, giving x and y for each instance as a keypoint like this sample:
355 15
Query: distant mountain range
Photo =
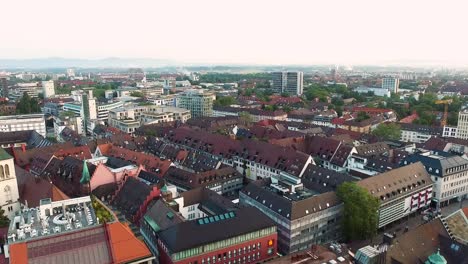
57 62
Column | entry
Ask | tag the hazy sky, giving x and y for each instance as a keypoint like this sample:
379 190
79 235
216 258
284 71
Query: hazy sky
250 31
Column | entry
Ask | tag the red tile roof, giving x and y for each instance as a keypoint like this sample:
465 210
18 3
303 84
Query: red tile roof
125 246
19 253
150 162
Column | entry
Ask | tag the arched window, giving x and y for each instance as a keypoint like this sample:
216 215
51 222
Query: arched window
8 193
2 173
7 171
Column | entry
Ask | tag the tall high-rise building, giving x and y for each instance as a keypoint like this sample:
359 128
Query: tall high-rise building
462 126
88 108
199 102
288 82
391 84
48 89
4 86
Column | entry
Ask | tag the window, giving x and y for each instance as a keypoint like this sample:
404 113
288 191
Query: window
7 191
2 173
7 171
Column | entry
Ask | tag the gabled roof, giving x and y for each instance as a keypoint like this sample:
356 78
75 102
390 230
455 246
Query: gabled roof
4 155
191 180
341 155
436 164
161 213
323 180
396 183
322 147
150 162
417 244
32 189
124 245
285 159
131 196
371 150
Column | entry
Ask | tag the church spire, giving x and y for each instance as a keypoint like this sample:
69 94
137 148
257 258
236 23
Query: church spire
85 178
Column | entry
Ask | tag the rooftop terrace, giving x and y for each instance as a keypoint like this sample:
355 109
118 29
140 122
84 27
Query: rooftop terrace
51 218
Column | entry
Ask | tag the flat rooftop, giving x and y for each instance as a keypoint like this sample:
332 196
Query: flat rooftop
52 218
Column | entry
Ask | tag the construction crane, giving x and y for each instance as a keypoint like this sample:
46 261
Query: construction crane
443 122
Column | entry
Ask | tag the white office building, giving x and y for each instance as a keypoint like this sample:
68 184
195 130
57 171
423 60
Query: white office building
48 89
391 84
23 122
288 82
462 126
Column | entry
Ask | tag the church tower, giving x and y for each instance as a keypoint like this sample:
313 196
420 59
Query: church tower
9 195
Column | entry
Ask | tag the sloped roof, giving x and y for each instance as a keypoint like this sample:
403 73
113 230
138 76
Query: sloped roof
158 212
417 244
323 180
131 196
125 246
374 149
286 159
398 182
457 223
32 189
4 155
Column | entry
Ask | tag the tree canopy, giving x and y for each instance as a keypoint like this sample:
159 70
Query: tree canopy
390 131
136 94
360 216
225 101
4 221
28 105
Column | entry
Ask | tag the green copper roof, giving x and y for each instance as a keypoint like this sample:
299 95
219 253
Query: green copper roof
85 178
4 155
436 258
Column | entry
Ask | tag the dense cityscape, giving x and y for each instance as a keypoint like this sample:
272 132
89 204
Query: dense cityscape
233 132
232 164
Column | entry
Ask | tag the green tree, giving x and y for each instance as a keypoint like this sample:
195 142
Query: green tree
390 131
28 105
360 216
136 94
4 221
225 101
245 117
362 116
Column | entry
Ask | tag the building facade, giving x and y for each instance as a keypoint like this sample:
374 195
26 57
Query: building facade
9 201
199 102
391 84
462 126
241 236
23 122
288 82
48 89
418 133
302 218
401 192
449 174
